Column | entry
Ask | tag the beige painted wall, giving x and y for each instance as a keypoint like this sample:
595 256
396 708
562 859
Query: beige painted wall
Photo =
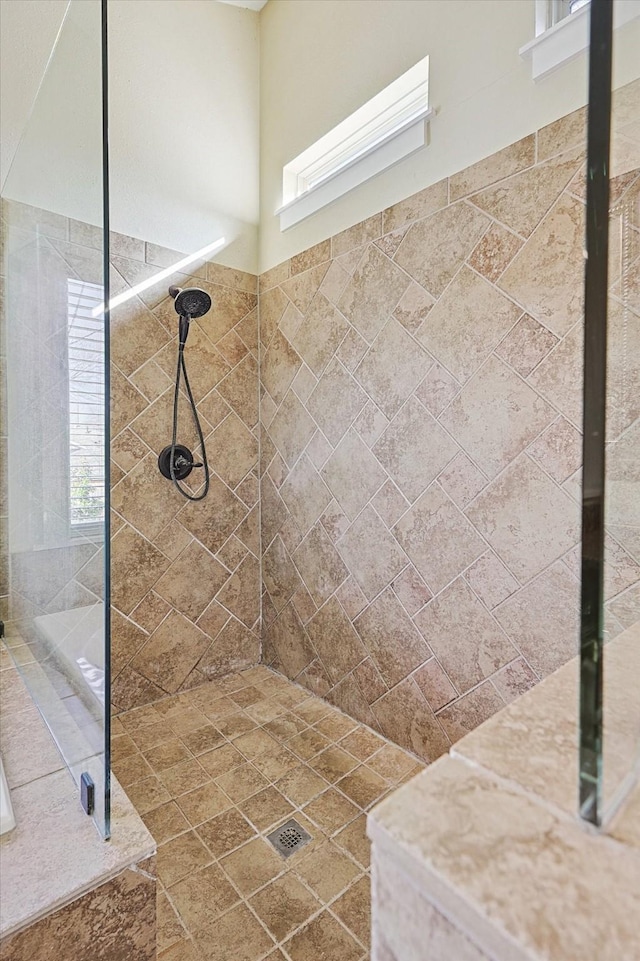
321 59
183 120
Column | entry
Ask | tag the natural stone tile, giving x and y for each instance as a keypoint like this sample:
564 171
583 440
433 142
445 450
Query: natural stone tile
373 292
292 428
203 739
435 685
292 646
335 640
311 256
490 580
555 253
462 480
178 587
438 538
165 755
252 865
526 345
512 159
319 565
437 390
225 832
521 201
336 401
302 288
320 334
391 639
279 366
411 590
406 718
513 680
213 528
273 303
413 308
352 474
392 368
418 205
180 857
495 416
305 494
351 597
542 619
470 711
171 652
284 905
467 323
434 248
371 553
361 233
229 277
414 448
280 575
558 450
370 423
352 349
547 518
495 252
464 637
308 743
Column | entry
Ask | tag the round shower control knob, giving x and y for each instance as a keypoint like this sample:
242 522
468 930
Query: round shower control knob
183 462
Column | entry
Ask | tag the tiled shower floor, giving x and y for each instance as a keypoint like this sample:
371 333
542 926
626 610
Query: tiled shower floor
213 771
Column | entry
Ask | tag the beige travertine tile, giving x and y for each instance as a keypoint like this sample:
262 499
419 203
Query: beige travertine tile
373 292
324 933
504 163
514 679
414 306
542 619
370 423
467 323
356 236
280 575
495 416
354 839
435 685
465 638
462 480
252 865
495 252
390 503
233 449
336 401
419 205
354 909
331 811
213 529
558 450
178 587
490 580
437 390
166 822
302 288
547 518
225 832
324 628
204 803
305 494
526 345
284 905
414 448
371 553
363 786
320 565
406 718
266 808
438 538
320 334
313 255
352 474
566 132
392 368
333 763
352 349
171 652
181 856
555 253
391 639
434 248
411 590
470 711
327 870
292 428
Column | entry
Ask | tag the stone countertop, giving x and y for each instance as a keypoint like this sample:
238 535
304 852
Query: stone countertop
55 853
491 837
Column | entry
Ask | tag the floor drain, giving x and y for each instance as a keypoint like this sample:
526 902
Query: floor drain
288 838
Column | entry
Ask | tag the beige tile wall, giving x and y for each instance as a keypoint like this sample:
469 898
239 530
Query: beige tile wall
185 577
421 443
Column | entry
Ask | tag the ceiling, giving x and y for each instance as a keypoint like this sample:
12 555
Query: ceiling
256 5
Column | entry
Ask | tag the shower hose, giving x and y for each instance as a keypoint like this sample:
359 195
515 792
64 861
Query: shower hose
182 371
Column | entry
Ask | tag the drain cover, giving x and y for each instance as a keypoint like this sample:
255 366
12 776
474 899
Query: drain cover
288 838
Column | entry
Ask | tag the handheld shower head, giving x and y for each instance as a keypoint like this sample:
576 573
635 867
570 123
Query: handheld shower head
190 301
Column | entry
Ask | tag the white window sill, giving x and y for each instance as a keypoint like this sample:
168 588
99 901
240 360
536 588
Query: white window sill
570 37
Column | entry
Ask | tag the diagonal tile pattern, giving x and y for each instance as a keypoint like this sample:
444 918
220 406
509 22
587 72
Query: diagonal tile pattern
212 778
446 386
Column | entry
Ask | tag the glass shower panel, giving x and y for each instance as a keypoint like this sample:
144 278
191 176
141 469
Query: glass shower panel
55 340
621 676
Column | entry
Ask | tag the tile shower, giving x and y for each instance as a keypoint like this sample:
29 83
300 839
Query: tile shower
378 409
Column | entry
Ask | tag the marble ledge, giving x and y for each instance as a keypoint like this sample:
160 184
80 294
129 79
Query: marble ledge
490 837
55 854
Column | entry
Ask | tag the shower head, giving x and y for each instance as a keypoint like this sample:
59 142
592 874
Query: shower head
190 301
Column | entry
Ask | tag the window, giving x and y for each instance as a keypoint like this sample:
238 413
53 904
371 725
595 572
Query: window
562 32
86 406
383 131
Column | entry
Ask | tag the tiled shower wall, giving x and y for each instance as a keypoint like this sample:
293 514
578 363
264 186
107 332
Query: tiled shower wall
185 577
421 442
